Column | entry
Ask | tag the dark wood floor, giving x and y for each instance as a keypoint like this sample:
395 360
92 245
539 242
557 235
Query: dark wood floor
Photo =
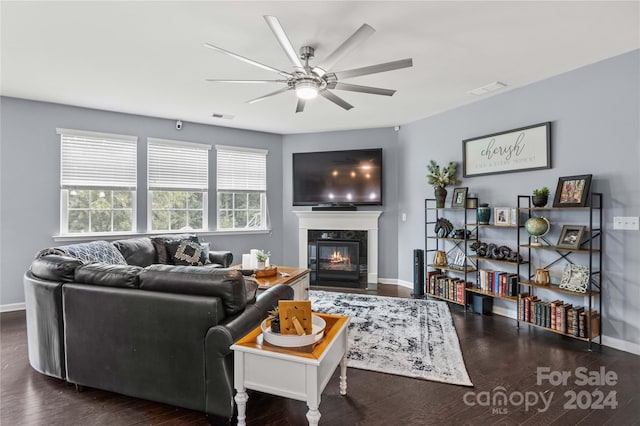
497 354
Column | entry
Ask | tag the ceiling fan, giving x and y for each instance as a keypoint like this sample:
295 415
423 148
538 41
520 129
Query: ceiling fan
309 81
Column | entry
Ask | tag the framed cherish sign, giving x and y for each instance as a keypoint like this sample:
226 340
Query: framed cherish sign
517 150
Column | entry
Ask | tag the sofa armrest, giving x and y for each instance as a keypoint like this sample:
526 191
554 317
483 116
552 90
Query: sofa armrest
219 358
221 257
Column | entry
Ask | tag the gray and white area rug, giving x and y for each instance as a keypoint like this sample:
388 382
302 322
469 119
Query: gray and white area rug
407 337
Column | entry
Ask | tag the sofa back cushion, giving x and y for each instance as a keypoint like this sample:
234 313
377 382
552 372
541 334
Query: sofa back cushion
108 275
226 284
92 251
54 267
137 251
159 242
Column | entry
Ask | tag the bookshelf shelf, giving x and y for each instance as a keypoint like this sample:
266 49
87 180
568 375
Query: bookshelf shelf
561 249
446 268
492 294
444 298
488 259
584 339
554 287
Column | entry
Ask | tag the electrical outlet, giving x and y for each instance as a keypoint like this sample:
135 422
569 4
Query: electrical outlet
404 217
626 223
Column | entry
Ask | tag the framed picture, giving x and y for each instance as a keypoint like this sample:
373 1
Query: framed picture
572 191
575 278
459 200
517 150
502 216
456 259
571 236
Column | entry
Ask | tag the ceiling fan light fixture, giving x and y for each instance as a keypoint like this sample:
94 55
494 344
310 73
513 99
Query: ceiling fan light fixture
306 89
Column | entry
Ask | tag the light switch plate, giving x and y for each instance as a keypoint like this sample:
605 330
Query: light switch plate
626 223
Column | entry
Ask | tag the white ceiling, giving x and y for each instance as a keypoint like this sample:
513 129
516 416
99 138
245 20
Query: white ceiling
147 57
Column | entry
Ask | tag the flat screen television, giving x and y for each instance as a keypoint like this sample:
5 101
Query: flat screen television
352 177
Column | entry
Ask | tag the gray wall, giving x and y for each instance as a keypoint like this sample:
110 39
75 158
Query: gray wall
30 178
385 138
594 113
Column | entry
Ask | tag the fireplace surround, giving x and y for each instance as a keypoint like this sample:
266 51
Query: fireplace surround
366 220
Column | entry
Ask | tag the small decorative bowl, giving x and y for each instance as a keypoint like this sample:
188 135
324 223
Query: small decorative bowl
293 340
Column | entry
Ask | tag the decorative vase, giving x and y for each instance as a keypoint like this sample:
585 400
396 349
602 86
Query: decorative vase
441 195
542 276
539 200
484 214
440 258
261 265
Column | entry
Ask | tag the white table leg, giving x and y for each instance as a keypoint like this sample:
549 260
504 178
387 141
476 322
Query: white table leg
343 375
241 399
313 416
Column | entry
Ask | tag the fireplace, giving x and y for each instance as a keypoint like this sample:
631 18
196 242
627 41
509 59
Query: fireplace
364 221
338 260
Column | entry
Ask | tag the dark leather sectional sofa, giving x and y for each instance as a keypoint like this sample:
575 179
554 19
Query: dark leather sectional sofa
154 331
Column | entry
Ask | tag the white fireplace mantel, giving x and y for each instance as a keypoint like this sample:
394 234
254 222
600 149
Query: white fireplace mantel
366 220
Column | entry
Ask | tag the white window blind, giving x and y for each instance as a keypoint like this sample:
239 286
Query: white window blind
241 169
174 165
90 159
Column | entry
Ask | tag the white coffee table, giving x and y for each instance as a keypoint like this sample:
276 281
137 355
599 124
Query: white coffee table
297 373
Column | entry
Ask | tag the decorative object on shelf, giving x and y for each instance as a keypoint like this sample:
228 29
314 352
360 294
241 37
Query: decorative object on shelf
575 278
472 201
459 200
526 148
460 234
440 179
443 227
537 227
542 276
502 216
493 251
540 197
571 236
484 214
514 217
440 258
572 191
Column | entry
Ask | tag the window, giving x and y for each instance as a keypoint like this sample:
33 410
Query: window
97 182
242 188
178 176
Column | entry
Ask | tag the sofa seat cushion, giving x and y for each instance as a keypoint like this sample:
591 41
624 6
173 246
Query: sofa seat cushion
226 284
137 251
55 267
108 275
187 252
93 251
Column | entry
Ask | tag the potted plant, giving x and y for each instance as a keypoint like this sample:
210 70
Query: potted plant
540 197
440 178
262 257
274 316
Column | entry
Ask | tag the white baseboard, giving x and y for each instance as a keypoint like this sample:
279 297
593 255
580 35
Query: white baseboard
505 312
621 345
12 307
394 281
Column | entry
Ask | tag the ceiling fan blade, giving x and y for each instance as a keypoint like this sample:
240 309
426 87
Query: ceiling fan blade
300 106
215 80
284 41
374 69
336 99
247 60
349 44
364 89
284 89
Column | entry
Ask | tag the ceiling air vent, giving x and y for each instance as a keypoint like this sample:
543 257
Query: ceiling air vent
491 87
225 116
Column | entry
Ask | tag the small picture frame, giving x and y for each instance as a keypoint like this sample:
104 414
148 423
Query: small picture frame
459 199
575 278
571 236
572 191
502 216
456 259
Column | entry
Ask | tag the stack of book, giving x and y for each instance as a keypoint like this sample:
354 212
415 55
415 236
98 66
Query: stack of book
446 287
501 283
558 315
